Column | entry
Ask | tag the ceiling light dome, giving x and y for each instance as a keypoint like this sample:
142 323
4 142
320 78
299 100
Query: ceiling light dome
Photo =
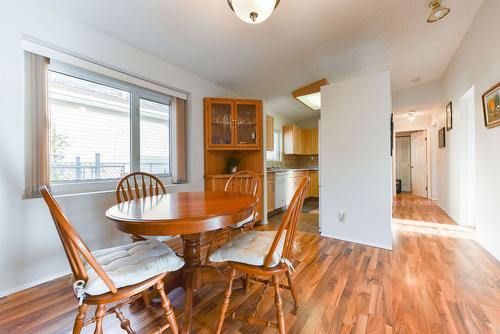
438 11
411 116
253 11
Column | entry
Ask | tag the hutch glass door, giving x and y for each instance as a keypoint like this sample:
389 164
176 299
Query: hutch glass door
220 124
246 124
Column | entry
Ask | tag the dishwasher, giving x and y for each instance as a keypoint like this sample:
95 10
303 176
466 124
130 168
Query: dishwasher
281 190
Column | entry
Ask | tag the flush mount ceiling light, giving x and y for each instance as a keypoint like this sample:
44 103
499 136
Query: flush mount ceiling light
411 116
310 95
253 11
438 11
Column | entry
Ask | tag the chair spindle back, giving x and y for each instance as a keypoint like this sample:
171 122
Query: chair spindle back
245 182
138 185
289 222
73 244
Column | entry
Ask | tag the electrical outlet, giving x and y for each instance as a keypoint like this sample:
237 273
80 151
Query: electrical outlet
341 217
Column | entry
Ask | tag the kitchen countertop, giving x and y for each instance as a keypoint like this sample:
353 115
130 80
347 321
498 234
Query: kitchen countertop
286 170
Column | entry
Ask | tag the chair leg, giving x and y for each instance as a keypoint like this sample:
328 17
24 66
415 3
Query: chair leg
292 288
124 322
279 305
167 307
247 283
210 244
99 315
80 319
146 299
225 302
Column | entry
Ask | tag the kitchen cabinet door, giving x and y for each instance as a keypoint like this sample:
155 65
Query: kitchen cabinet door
314 141
314 184
270 193
292 140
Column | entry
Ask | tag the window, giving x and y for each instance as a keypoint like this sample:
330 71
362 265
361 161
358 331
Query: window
102 129
155 137
275 154
88 125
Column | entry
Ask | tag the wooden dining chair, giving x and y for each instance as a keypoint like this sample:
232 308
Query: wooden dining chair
264 254
140 185
116 275
245 182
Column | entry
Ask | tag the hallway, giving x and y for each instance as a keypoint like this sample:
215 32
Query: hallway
407 206
416 214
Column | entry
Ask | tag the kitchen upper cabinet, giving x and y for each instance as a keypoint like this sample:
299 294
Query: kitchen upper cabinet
292 139
269 133
315 140
310 141
233 124
300 141
307 141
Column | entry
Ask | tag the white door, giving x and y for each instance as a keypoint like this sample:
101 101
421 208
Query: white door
419 163
403 162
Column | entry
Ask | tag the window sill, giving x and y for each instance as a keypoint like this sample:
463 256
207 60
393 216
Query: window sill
86 188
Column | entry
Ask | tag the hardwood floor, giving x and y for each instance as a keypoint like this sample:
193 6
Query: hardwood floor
412 207
427 284
308 222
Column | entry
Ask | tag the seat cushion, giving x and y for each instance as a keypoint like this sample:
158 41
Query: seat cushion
131 264
161 238
241 223
250 248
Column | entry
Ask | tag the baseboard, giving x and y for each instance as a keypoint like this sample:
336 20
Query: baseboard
361 242
31 284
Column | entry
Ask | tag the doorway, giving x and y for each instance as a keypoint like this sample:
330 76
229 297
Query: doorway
411 162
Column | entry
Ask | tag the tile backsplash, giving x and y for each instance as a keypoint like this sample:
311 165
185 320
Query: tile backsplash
292 160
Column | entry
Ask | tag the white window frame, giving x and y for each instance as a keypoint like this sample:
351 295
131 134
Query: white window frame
278 155
136 94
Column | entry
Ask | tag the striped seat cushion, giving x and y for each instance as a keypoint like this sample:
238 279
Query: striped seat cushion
131 264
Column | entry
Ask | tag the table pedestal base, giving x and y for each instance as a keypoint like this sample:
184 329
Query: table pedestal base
192 276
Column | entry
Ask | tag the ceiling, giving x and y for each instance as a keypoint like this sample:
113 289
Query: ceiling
302 42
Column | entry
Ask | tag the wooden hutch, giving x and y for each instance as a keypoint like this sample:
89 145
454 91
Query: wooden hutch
233 129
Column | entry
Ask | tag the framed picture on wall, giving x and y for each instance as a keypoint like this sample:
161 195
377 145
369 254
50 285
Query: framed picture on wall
442 138
449 116
491 106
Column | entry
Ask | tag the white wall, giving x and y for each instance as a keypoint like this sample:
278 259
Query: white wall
311 122
280 119
418 96
355 152
402 124
30 251
476 64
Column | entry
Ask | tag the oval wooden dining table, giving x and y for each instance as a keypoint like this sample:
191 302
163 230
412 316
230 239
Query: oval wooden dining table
187 214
